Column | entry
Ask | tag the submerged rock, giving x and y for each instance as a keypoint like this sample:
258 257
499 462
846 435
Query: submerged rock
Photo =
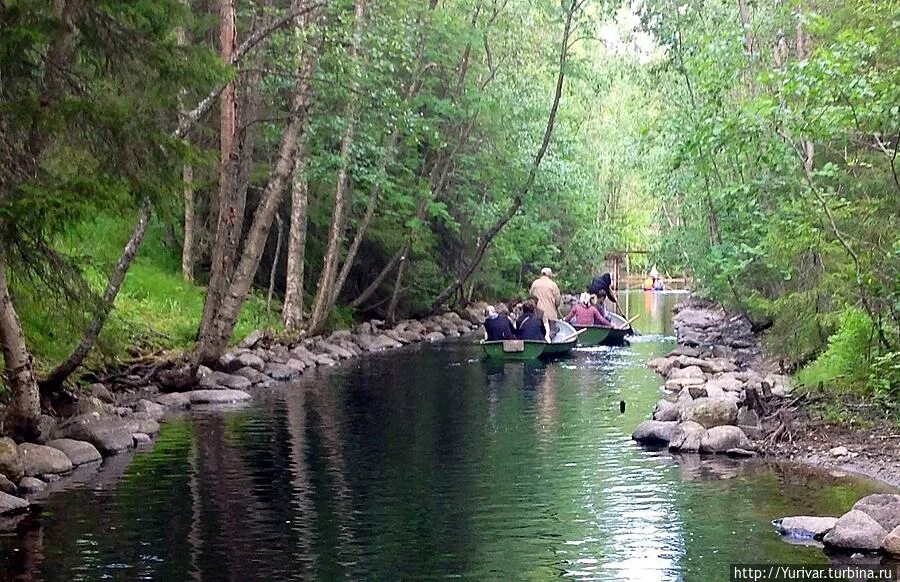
654 432
855 530
281 372
141 438
215 397
11 504
804 526
43 460
78 452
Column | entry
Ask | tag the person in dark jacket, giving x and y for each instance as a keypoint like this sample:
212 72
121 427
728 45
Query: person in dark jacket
496 326
530 325
603 283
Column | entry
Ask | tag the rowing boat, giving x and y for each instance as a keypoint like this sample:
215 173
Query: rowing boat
560 345
595 335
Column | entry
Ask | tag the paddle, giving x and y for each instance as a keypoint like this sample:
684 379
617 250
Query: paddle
570 336
629 322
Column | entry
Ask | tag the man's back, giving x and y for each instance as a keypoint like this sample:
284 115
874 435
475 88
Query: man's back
548 296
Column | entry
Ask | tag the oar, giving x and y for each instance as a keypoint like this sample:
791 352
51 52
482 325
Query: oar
629 322
569 337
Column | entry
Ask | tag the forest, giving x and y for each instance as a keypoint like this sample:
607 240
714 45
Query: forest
177 173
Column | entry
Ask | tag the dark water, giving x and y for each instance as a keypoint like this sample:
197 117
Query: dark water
427 463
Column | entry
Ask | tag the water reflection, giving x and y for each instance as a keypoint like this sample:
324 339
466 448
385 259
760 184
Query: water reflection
426 463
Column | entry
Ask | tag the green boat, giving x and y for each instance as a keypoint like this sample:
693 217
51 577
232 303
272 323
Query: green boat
594 335
560 345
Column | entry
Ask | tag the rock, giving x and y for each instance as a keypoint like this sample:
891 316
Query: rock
666 411
711 413
173 400
251 340
47 425
729 383
323 360
154 410
882 507
684 351
378 343
296 364
245 360
101 392
891 542
223 380
86 405
748 421
78 452
351 347
42 460
855 530
252 374
721 438
714 391
654 432
341 334
335 351
684 398
364 328
677 384
661 366
435 336
687 437
7 486
839 452
698 391
110 435
10 460
281 372
804 526
29 485
304 355
215 397
689 372
141 438
11 504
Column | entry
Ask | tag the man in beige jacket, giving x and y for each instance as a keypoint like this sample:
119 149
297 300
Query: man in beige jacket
547 294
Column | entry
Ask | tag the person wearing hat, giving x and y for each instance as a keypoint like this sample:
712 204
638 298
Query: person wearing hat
548 296
584 313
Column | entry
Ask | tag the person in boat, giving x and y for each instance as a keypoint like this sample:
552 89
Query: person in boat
648 284
497 326
530 325
585 313
546 292
603 283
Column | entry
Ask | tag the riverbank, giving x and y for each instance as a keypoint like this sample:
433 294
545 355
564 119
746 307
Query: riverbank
720 376
125 410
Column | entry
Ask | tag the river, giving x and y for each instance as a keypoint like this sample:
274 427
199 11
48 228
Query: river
428 462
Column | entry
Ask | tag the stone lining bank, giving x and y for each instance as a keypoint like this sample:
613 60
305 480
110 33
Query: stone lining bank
719 388
105 422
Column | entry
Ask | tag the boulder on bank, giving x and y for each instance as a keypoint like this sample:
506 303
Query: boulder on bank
435 336
676 384
78 452
220 380
377 343
855 530
720 439
666 411
10 460
281 372
11 504
805 526
110 434
710 413
213 397
43 460
688 372
173 400
687 437
251 340
7 486
151 409
883 508
891 542
654 432
30 485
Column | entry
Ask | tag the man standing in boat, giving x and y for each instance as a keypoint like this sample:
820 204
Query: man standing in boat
548 298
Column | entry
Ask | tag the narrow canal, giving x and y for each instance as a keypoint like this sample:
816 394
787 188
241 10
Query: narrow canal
428 463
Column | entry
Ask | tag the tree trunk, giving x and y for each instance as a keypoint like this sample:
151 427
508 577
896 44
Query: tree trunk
274 269
229 206
292 311
398 282
495 229
213 339
327 278
24 413
188 257
117 277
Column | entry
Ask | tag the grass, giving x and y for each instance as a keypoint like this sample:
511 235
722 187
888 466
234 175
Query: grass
155 309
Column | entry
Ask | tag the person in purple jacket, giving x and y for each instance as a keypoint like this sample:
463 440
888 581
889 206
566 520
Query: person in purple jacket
586 314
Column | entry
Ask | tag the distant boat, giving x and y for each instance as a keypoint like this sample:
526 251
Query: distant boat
560 344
